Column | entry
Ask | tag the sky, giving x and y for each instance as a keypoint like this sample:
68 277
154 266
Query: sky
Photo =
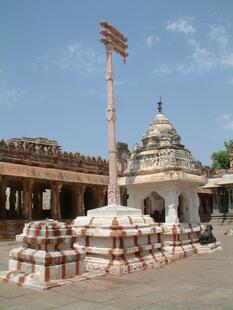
52 71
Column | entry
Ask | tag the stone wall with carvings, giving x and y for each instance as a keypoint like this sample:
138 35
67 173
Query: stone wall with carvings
47 153
162 159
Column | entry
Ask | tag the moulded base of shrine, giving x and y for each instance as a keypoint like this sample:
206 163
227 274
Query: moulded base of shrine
182 240
119 240
46 258
209 248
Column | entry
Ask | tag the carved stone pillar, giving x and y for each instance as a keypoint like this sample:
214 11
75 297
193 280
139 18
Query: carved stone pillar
230 199
27 199
19 206
101 191
3 186
12 212
55 208
40 195
215 201
123 191
79 191
37 204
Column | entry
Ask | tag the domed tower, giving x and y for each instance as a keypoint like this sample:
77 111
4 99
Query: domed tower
161 149
160 133
162 176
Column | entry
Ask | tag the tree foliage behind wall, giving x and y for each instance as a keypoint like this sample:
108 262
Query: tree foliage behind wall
221 159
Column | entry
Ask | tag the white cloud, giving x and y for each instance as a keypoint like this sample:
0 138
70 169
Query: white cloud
224 117
91 92
230 81
229 124
200 59
219 35
78 59
181 25
73 57
10 96
227 59
152 39
119 82
162 70
225 121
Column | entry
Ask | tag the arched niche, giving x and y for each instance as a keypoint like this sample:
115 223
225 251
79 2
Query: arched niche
154 205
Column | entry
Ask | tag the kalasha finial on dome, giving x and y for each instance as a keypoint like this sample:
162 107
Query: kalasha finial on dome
160 105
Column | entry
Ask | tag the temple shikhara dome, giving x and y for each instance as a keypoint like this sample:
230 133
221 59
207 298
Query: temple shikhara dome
161 149
161 132
161 176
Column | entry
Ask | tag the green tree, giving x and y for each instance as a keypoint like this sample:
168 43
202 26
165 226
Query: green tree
221 159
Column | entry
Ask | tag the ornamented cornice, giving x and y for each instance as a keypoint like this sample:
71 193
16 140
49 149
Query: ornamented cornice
48 153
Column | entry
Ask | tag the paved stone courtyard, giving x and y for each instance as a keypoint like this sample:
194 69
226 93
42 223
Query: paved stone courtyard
200 282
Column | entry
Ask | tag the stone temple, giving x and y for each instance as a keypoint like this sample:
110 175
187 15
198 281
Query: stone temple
162 176
162 179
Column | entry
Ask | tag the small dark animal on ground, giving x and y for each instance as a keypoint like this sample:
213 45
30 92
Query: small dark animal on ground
207 236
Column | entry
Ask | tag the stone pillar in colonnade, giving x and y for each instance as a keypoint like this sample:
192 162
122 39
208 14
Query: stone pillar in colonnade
124 196
18 203
230 199
101 191
37 203
78 191
55 200
12 212
27 199
3 186
215 201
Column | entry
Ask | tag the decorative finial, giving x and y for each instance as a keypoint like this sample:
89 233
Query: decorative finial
160 106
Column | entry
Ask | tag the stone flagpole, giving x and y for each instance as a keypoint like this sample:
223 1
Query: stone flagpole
113 41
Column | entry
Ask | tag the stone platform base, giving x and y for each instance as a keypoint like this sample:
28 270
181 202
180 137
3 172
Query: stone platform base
47 266
10 228
46 257
181 240
136 262
209 248
119 240
31 281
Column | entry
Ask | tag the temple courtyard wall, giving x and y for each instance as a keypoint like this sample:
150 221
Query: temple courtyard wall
197 282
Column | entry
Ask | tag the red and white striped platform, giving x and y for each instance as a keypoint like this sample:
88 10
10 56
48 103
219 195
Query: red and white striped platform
182 240
47 257
119 240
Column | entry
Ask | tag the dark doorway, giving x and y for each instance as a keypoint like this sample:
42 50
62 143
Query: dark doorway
180 209
154 205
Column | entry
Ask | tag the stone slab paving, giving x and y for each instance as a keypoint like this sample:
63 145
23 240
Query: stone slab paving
200 282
